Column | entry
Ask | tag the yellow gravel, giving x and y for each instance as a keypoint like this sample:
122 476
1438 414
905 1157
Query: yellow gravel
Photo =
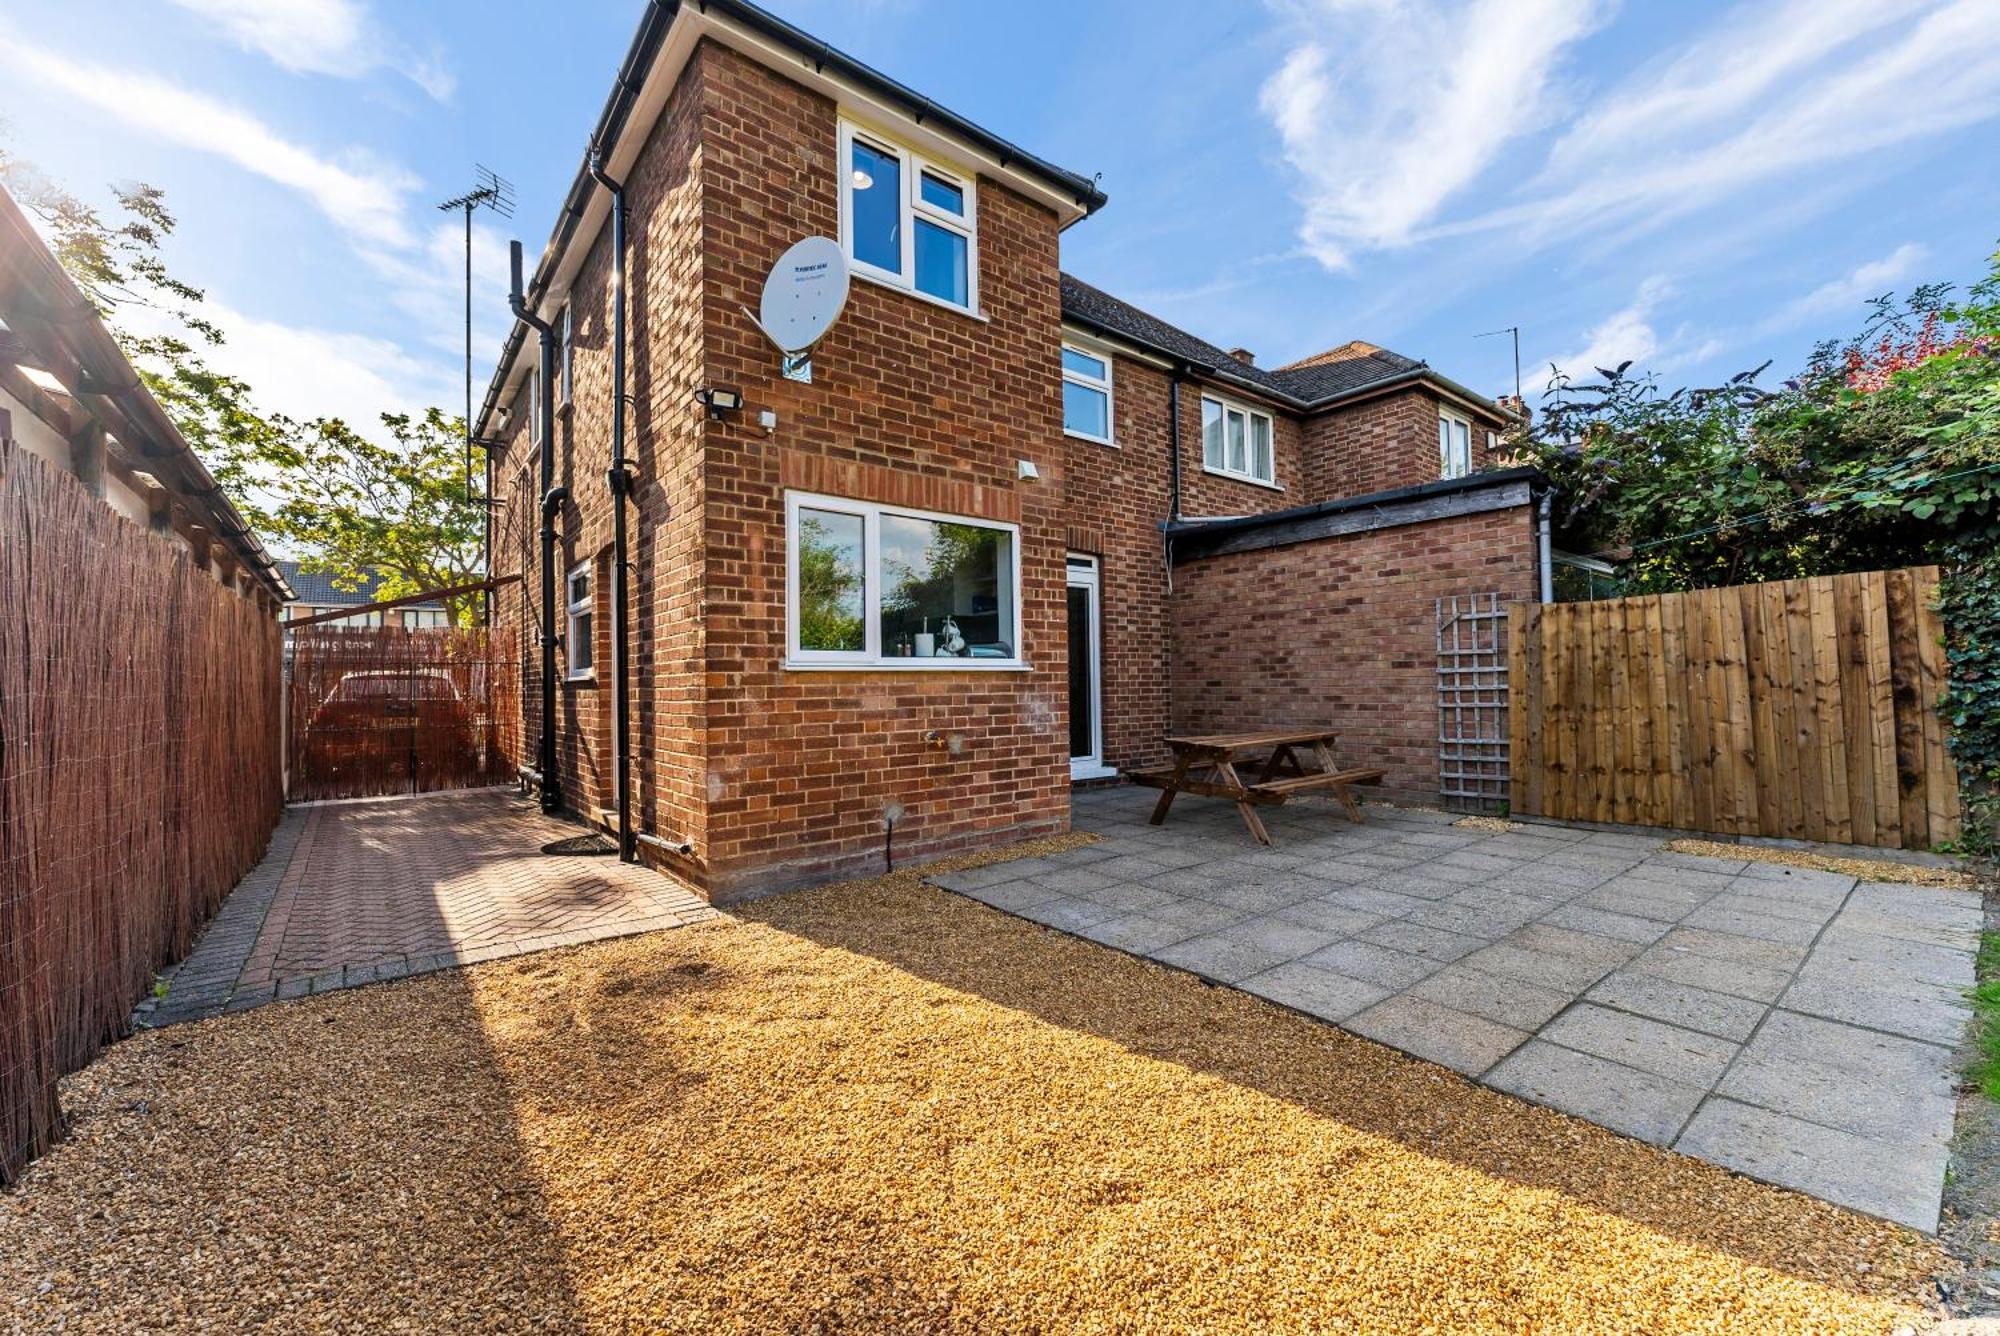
1866 869
876 1107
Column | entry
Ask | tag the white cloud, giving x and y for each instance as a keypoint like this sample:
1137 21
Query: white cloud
1409 106
335 37
1397 125
365 199
1625 334
1769 94
1850 290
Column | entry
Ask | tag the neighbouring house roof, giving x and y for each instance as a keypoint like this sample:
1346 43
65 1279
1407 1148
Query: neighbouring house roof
1313 382
75 371
317 588
631 109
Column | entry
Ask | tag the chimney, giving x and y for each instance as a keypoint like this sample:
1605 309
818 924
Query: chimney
1518 406
1244 355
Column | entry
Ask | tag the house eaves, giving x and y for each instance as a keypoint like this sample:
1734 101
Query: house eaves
667 35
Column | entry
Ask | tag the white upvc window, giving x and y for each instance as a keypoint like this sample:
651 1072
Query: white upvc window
535 409
1086 374
1454 445
579 598
875 586
565 367
1237 441
908 221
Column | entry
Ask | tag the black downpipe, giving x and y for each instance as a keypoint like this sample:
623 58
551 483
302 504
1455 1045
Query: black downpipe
552 499
619 478
1174 441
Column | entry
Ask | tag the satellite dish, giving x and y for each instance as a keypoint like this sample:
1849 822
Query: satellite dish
804 294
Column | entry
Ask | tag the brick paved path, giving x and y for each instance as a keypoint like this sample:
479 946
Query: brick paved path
354 893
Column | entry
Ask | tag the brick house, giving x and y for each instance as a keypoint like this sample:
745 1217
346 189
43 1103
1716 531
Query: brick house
979 555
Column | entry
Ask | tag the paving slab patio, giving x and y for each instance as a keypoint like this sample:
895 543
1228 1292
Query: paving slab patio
1796 1026
364 892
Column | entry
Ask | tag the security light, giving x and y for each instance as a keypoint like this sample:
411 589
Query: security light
720 399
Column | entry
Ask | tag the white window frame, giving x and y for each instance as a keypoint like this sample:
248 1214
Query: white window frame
1445 470
565 364
1248 475
913 206
535 408
1103 386
870 657
574 608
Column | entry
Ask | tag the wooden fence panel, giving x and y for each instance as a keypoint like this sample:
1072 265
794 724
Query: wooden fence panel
139 774
1802 708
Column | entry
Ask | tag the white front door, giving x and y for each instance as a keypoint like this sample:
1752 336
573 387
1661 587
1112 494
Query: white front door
1086 688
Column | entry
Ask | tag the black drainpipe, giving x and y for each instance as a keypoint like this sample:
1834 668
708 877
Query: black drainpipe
1174 439
619 478
552 499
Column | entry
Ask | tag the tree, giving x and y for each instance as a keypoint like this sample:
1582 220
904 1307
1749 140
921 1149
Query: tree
347 504
394 508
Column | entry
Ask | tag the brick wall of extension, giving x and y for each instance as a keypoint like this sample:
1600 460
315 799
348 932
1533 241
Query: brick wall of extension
1340 632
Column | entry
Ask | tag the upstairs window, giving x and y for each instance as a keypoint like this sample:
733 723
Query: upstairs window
581 607
1454 445
1236 441
1086 377
907 221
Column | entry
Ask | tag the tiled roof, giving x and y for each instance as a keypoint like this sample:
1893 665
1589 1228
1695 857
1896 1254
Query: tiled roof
315 588
1328 375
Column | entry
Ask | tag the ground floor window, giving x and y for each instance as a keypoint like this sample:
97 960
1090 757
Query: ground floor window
582 610
881 586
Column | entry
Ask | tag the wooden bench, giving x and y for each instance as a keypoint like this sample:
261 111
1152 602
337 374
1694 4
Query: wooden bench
1340 781
1206 765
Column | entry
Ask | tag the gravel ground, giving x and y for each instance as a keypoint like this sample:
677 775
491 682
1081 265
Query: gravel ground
876 1107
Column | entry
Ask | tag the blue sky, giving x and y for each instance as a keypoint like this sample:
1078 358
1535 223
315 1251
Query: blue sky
1697 186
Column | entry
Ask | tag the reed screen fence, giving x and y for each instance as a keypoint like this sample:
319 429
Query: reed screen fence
139 774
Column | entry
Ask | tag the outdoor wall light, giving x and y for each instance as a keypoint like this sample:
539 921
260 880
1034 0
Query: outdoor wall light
720 399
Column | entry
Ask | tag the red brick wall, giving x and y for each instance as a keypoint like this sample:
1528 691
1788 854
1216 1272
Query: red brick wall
910 403
663 436
1117 498
1340 632
1373 446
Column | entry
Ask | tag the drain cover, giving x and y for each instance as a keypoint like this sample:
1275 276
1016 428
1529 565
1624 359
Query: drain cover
582 846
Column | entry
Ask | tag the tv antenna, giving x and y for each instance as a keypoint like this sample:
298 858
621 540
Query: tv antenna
489 191
1515 330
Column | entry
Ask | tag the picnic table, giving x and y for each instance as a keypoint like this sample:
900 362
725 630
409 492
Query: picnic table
1206 764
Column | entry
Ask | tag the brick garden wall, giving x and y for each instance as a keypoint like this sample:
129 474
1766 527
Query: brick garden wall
1340 632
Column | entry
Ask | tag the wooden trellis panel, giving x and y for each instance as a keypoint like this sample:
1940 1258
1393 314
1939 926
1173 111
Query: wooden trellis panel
1805 709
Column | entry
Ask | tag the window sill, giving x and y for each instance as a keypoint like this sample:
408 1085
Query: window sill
911 666
1242 478
580 679
857 271
1094 440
